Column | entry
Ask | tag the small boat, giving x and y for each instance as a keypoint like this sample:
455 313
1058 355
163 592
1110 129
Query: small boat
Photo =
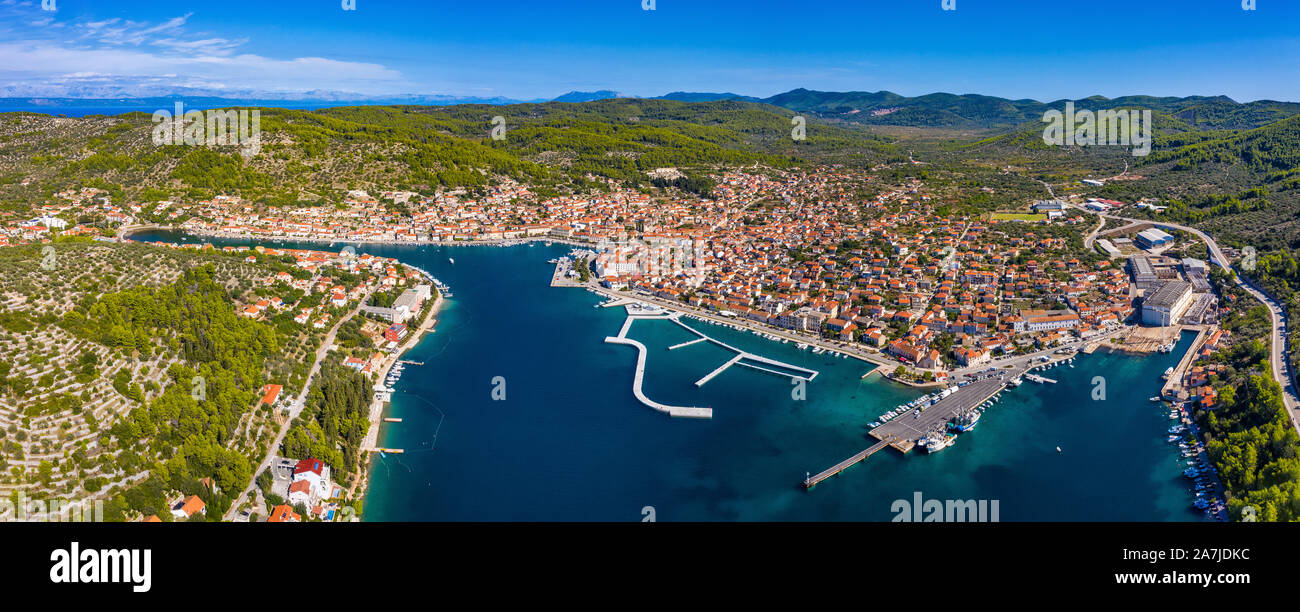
453 261
938 441
1058 449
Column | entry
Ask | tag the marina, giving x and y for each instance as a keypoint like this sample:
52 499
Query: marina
638 380
640 311
904 434
759 451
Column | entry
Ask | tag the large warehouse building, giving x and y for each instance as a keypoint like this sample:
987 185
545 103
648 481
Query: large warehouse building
1167 305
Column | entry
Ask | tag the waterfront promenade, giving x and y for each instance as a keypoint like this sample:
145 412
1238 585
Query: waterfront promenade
371 442
880 360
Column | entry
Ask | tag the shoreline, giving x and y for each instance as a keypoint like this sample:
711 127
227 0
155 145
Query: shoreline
500 242
880 362
360 489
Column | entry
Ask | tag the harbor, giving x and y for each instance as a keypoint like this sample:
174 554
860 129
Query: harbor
934 421
638 380
641 311
929 422
744 462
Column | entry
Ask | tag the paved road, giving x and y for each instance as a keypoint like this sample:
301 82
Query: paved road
295 408
1279 336
1276 313
915 424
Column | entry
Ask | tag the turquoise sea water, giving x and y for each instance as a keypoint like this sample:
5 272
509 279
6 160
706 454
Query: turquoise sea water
570 442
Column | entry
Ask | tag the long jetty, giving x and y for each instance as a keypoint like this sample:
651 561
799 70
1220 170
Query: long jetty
797 371
724 366
636 310
812 481
903 432
639 379
687 343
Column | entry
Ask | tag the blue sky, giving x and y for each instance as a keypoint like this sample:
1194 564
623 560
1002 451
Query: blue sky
1038 49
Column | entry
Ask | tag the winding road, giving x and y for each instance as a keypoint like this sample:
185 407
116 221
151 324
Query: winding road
294 409
1278 337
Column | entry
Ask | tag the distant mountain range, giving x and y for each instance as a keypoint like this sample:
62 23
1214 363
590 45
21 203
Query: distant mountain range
965 111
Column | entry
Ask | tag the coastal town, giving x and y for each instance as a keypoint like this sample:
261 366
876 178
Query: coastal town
928 298
936 294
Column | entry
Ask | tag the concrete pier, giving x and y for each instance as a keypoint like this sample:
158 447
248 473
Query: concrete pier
843 465
807 374
639 379
710 375
695 411
905 430
687 343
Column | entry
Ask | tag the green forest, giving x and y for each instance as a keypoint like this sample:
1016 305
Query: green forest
181 436
334 422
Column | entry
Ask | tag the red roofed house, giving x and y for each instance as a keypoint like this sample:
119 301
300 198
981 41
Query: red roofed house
316 475
284 514
188 507
270 393
300 492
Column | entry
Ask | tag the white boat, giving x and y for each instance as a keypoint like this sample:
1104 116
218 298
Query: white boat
453 261
938 441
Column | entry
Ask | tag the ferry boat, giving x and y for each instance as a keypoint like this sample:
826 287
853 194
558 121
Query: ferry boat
938 441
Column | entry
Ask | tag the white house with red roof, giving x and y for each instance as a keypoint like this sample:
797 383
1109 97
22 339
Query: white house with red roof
311 482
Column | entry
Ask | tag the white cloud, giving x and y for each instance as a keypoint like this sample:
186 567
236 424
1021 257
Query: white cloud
116 57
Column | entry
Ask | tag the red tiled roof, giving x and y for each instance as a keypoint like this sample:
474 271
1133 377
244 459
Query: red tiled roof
308 465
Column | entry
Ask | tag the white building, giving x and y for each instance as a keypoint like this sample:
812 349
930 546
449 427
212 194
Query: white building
311 482
1167 305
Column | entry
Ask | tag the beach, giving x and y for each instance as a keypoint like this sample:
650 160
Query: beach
371 441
